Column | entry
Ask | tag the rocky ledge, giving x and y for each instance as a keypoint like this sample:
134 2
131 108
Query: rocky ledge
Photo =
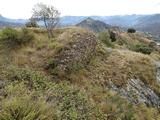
137 92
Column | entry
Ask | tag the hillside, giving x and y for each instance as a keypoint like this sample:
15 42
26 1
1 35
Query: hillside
93 25
145 23
78 75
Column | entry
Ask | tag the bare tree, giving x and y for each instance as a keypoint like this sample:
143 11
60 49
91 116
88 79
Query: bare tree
48 14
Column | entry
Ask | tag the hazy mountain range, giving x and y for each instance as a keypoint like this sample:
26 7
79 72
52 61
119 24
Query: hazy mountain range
146 23
11 22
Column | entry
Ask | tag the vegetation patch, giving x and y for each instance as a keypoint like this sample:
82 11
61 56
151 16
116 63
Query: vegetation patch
131 30
34 80
106 39
142 48
23 104
120 66
12 37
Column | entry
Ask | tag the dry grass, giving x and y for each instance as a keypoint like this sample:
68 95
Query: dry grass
38 53
119 67
134 38
155 55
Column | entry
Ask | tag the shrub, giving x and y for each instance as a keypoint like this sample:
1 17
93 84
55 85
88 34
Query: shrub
60 102
11 37
131 30
25 109
152 44
104 37
22 104
72 102
142 49
39 31
25 36
31 24
112 36
34 80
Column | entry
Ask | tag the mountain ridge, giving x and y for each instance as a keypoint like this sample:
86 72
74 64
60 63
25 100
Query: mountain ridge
93 25
144 23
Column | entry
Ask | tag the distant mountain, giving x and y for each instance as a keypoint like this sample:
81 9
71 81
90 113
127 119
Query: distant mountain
149 24
93 25
71 20
145 23
118 20
11 22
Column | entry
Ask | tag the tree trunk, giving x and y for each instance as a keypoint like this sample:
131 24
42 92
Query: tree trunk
50 34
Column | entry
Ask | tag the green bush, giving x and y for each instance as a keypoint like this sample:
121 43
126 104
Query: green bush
142 49
9 35
12 37
72 103
104 37
60 102
22 104
31 24
34 80
24 109
25 36
131 30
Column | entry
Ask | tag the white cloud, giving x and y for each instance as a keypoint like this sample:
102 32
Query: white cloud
23 8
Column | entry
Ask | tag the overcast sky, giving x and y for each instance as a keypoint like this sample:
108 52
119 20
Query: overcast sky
23 8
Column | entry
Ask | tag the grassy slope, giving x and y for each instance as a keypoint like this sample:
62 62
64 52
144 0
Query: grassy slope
84 89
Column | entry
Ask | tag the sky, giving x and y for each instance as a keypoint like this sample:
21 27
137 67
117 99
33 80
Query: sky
23 8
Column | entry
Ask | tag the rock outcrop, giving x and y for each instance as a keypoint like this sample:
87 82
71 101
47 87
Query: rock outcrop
76 53
137 92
